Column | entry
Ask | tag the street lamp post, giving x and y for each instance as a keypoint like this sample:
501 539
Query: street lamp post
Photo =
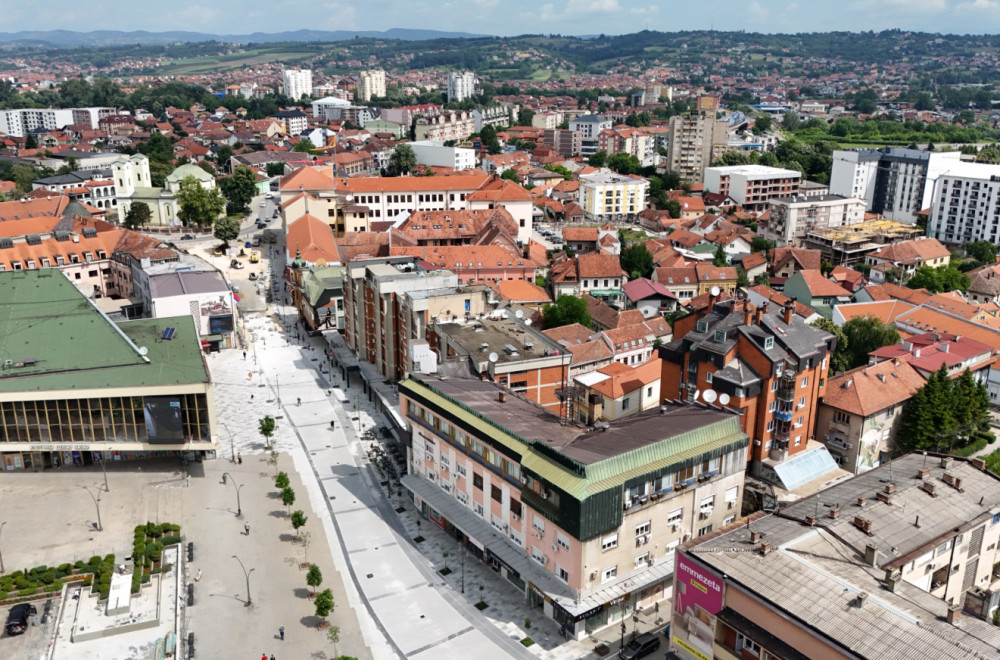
97 503
232 444
239 507
246 573
105 471
1 552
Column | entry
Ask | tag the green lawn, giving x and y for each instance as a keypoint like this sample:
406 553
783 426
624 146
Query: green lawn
212 63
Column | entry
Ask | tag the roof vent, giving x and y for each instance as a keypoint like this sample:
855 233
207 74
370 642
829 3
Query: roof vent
33 239
930 488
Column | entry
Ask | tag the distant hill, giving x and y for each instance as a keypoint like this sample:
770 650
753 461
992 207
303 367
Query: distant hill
68 38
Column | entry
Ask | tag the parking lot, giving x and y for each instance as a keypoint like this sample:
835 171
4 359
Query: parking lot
34 641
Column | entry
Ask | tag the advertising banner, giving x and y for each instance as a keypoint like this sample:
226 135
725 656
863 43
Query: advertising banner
698 598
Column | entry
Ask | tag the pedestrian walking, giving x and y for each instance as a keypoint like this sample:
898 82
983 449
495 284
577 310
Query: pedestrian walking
272 656
251 396
246 527
263 656
281 631
244 355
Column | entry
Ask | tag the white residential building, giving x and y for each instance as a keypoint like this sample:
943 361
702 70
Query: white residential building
436 154
791 218
895 182
19 122
606 195
329 107
965 204
461 85
371 84
590 126
752 186
297 82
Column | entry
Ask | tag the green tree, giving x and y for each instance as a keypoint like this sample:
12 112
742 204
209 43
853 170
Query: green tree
525 116
982 251
762 123
720 258
790 122
488 136
275 169
199 207
936 280
314 577
559 169
30 142
298 520
287 497
598 159
840 359
333 636
510 175
636 261
304 146
281 480
916 430
673 207
864 334
402 161
223 155
266 427
157 148
226 229
623 163
761 244
324 603
566 310
137 216
239 189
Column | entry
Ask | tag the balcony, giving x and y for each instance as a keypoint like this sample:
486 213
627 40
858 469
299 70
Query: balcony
786 392
783 415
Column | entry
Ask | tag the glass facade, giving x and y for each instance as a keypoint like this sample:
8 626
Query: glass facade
64 426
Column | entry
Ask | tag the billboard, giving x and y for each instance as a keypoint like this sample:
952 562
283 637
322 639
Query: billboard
698 598
708 103
164 418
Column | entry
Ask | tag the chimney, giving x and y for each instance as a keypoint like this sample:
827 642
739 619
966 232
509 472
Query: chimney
892 579
834 513
765 547
861 598
502 397
760 311
923 473
871 555
789 310
754 536
954 610
979 464
747 314
946 462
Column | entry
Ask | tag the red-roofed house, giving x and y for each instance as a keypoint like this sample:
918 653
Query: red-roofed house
616 391
649 297
906 257
927 352
809 287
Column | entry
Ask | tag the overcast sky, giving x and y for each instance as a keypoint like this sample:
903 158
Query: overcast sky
506 17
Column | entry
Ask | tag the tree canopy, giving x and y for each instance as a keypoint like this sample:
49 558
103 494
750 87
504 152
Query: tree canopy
402 161
239 189
944 413
566 310
983 251
199 207
636 261
862 335
137 216
937 280
226 229
839 360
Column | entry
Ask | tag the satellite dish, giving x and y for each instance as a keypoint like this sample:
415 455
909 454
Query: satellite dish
527 322
143 350
697 393
493 357
715 291
519 314
724 399
710 396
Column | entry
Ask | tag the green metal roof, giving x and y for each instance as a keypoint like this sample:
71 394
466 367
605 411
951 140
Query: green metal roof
321 280
55 339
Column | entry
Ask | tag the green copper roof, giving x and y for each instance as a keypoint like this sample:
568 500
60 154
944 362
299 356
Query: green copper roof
55 339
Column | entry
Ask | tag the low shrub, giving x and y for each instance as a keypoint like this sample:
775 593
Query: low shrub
170 540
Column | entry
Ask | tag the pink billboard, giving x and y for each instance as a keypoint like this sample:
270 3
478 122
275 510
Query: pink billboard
698 598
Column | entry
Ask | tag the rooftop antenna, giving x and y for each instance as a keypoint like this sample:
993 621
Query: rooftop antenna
925 459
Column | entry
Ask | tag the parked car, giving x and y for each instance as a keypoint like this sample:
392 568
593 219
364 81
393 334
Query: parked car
187 237
17 619
236 264
640 647
253 276
263 204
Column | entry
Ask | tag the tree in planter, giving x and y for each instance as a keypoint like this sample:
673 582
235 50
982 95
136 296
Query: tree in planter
266 428
444 555
298 520
305 538
324 604
281 480
226 229
314 577
287 498
333 635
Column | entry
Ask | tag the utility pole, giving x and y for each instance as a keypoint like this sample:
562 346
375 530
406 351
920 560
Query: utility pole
247 575
97 503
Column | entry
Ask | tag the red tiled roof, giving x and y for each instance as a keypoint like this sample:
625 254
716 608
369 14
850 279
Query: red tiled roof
867 390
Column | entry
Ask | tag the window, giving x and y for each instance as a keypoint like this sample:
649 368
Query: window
675 517
515 509
772 407
770 426
643 528
798 422
496 493
802 402
641 560
478 508
732 494
774 385
841 417
461 496
609 542
562 541
891 411
805 381
746 644
625 403
707 529
538 523
768 343
497 523
798 440
460 469
609 573
538 555
728 520
477 481
708 377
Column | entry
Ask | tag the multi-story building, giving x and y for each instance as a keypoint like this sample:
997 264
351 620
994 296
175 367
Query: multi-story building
695 141
294 121
373 298
297 83
606 195
895 182
138 389
596 274
371 84
770 368
615 391
329 107
590 127
444 125
436 154
20 122
850 245
905 257
860 411
387 197
564 142
792 218
627 140
497 116
584 521
963 207
897 561
752 186
462 85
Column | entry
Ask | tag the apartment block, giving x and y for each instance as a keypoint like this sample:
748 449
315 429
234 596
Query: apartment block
566 142
462 85
297 83
792 218
583 521
965 202
371 84
590 127
752 186
444 125
695 142
436 154
19 122
895 562
606 195
894 182
770 368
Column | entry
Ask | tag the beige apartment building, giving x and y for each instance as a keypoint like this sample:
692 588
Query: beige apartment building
792 218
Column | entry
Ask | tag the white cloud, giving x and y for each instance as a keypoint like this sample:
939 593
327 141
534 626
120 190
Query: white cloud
919 6
548 12
979 5
651 9
591 6
757 11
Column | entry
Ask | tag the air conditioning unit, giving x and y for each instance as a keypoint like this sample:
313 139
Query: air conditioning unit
675 526
932 565
545 496
650 560
731 504
628 504
514 516
539 534
705 513
555 548
593 575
